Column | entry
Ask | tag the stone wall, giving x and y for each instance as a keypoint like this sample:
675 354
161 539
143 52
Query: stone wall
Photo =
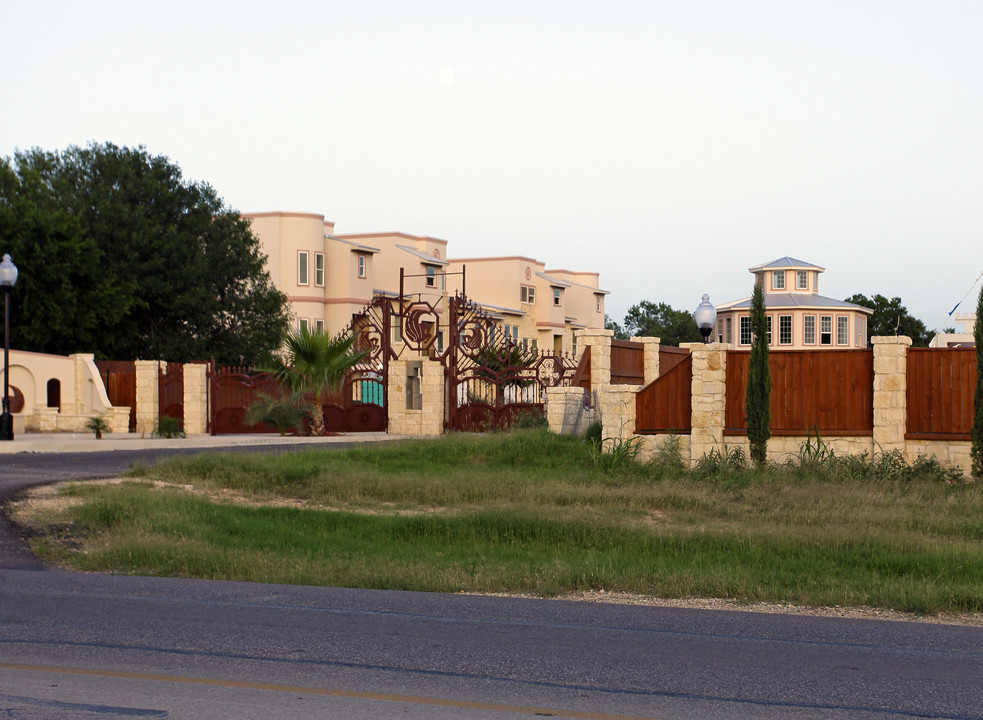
616 407
416 397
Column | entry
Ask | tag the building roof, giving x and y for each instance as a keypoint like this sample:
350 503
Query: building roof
799 300
553 281
356 247
424 258
784 263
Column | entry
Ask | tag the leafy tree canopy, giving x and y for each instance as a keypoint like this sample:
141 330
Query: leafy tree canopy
890 317
118 255
648 319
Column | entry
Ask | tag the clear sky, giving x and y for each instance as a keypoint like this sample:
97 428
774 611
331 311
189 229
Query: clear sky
667 144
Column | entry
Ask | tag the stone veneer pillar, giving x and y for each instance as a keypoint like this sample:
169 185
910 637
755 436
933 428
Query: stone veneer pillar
196 398
148 387
429 419
650 350
617 406
566 411
600 355
890 392
709 398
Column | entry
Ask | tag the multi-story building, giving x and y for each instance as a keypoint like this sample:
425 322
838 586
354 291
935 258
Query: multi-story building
328 278
799 318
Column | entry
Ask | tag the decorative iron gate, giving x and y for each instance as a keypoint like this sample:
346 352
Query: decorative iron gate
171 391
492 380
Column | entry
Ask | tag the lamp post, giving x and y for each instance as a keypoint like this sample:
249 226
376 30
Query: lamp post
8 276
705 316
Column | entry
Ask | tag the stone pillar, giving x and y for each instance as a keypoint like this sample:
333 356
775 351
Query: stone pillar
416 397
650 348
196 398
566 411
709 398
148 399
600 355
79 403
890 392
617 407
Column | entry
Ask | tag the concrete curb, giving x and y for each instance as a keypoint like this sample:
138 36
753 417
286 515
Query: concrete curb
86 442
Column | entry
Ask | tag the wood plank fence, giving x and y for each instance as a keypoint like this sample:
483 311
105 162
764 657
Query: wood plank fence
829 391
940 392
665 405
627 363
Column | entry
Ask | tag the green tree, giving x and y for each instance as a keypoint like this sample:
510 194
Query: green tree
66 297
647 319
610 324
759 381
186 278
890 317
977 433
316 364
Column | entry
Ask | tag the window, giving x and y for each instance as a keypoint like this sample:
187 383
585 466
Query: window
319 269
809 330
575 345
842 330
745 330
534 344
769 330
527 294
361 266
397 332
512 333
302 269
802 280
431 276
597 298
720 329
778 279
825 329
319 326
304 324
728 330
861 333
784 329
557 296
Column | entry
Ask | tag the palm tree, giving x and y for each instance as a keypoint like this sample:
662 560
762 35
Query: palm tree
317 364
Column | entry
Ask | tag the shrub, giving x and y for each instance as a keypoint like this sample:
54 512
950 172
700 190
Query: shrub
168 427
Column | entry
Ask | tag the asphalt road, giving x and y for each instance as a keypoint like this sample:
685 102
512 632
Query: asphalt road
99 646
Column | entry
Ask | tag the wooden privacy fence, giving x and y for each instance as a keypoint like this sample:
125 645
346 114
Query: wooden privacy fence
665 405
825 391
627 363
941 384
120 379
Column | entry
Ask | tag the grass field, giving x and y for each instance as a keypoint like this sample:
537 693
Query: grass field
532 512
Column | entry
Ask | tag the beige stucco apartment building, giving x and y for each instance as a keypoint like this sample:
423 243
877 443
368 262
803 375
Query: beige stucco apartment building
330 277
799 318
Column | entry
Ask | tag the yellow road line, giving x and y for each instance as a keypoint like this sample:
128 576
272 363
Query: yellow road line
385 697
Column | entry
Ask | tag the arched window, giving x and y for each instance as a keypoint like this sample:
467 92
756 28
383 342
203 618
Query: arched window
54 393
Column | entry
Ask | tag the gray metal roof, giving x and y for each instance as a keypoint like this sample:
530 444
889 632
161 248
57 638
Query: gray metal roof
424 258
358 247
798 300
555 282
786 263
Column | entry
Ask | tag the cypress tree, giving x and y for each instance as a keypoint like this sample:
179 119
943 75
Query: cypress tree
759 381
977 434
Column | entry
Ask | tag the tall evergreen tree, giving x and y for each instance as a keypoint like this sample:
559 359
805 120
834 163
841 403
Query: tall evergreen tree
977 434
759 381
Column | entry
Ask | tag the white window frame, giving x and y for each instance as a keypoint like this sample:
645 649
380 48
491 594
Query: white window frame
319 269
842 329
770 343
600 307
557 297
527 294
802 280
319 326
431 276
361 266
744 330
303 268
808 329
826 330
785 330
778 279
303 323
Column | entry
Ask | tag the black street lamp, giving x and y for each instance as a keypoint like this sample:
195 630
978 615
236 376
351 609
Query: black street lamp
8 276
705 316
